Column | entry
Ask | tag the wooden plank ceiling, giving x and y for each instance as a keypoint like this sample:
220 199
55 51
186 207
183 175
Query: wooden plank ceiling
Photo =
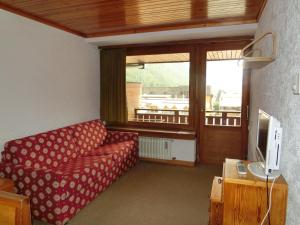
158 58
95 18
223 55
182 57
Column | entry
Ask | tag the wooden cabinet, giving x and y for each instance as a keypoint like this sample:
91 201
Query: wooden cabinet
14 209
216 203
244 198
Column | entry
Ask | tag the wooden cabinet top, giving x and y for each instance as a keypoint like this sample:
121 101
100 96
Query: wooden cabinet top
231 175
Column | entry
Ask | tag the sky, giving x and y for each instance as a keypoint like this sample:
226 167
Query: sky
225 75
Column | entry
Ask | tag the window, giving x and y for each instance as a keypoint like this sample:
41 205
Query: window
157 88
224 78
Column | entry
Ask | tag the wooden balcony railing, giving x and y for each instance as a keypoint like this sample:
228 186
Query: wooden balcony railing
223 118
174 116
161 116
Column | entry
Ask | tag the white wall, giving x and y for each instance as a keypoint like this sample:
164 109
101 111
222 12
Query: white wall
271 90
184 150
48 78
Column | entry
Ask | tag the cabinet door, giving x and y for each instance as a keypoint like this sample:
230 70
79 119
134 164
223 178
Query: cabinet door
247 204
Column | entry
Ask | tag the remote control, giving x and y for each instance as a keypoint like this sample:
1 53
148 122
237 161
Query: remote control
241 168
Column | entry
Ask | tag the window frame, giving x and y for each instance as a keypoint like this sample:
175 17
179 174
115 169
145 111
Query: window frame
148 50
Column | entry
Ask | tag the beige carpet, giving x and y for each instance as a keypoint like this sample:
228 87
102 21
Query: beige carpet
152 194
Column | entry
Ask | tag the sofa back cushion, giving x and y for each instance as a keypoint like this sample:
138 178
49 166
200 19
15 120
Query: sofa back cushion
89 135
45 150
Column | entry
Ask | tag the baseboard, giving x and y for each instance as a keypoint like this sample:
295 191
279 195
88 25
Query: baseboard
170 162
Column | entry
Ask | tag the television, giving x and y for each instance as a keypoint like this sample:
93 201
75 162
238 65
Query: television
268 147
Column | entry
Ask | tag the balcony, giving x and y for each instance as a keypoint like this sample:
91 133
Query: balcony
174 116
223 118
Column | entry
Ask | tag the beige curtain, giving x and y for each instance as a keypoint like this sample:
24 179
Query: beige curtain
113 86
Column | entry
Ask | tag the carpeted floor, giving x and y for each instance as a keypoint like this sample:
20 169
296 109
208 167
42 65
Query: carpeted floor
152 194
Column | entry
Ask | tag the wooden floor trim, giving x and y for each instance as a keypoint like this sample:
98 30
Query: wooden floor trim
169 162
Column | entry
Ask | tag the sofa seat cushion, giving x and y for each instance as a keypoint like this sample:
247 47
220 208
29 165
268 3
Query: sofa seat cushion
123 153
92 166
45 150
121 149
87 178
89 135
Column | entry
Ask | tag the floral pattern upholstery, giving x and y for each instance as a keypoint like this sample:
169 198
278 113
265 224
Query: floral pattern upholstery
123 153
89 135
61 174
48 191
45 150
117 136
128 141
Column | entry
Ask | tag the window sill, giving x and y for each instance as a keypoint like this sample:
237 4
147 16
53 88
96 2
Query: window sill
185 135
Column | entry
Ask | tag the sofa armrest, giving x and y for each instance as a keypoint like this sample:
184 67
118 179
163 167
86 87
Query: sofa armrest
24 177
49 191
119 136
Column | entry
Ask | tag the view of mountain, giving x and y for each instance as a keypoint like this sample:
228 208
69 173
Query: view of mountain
160 74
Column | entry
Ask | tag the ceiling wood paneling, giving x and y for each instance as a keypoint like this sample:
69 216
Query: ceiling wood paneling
94 18
223 55
158 58
183 57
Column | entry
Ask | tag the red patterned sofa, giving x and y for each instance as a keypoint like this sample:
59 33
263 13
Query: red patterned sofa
64 169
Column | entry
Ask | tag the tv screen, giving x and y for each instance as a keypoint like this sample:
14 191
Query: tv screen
262 136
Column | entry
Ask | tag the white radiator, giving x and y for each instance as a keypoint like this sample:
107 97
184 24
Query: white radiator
156 148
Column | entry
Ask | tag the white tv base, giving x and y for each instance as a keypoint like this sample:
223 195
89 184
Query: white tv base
257 170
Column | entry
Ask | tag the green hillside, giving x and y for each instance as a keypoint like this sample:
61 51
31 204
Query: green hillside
160 74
